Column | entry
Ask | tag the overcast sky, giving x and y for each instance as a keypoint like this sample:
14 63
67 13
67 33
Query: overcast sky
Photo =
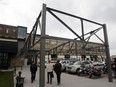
25 12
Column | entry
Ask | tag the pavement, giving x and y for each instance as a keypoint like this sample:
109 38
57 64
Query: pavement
67 80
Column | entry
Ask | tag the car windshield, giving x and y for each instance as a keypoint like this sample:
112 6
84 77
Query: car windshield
77 63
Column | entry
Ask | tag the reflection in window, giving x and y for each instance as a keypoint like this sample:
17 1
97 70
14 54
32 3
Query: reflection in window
7 30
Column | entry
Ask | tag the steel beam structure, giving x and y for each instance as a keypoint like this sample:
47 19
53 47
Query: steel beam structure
107 53
42 48
82 44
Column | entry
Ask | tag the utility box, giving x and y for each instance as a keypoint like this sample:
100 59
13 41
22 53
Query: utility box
6 78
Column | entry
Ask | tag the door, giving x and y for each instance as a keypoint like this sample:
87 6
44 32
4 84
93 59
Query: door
3 60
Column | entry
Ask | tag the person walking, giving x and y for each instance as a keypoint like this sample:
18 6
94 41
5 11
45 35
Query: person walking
57 69
49 68
33 69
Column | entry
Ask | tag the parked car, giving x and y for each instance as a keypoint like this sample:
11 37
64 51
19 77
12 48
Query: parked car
77 66
99 63
64 64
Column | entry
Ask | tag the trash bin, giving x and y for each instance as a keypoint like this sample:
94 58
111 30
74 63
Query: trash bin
19 81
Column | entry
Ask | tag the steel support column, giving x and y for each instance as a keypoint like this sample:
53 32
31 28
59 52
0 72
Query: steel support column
42 48
107 54
82 27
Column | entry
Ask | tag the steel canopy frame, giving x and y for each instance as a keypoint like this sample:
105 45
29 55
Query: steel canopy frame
30 42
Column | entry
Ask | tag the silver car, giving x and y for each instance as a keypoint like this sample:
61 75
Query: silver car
77 66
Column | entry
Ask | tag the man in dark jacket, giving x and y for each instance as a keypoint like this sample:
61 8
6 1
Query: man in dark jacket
33 69
57 69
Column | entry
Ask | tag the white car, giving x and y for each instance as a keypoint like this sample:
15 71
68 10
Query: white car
77 66
64 62
99 64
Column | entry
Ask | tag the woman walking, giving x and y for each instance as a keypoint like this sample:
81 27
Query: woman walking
49 68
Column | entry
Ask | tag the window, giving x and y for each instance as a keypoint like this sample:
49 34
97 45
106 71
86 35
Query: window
7 30
14 30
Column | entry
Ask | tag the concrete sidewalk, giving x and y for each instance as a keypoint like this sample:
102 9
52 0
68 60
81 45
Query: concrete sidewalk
67 80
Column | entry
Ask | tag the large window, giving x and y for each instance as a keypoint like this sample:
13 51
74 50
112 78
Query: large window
22 31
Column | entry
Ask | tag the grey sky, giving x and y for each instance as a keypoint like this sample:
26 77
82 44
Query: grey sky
25 12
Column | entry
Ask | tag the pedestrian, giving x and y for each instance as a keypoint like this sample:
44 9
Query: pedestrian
57 69
50 75
33 69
